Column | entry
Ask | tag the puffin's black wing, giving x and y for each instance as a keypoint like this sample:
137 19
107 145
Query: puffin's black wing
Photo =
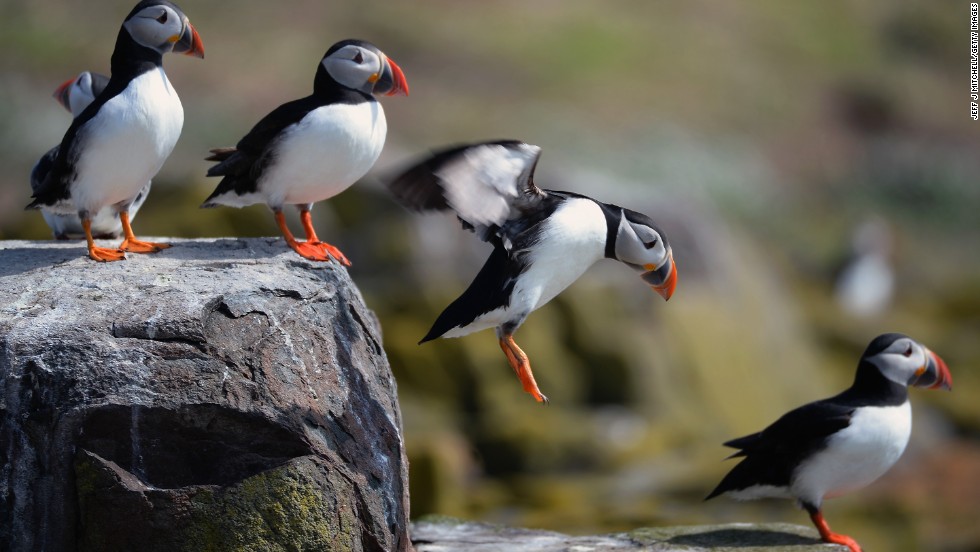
485 184
242 165
41 169
771 455
490 290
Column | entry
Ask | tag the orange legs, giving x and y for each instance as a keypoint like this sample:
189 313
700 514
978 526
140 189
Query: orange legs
312 249
130 243
522 367
829 536
304 217
101 254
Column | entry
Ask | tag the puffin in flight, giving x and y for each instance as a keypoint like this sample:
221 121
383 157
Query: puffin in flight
119 142
543 240
833 446
75 94
313 148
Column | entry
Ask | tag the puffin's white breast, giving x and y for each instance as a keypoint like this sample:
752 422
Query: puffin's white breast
323 154
571 240
124 145
857 455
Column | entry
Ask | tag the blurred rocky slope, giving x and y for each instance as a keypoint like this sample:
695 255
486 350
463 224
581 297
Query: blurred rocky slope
759 135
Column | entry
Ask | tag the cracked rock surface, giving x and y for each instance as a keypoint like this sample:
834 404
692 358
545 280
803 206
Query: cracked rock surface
224 394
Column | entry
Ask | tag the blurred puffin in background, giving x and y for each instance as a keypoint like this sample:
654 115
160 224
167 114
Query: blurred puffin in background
865 282
543 240
313 148
75 94
120 141
831 447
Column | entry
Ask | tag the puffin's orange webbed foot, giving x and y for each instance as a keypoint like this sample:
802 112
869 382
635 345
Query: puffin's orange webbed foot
522 367
308 251
105 254
134 245
816 516
331 251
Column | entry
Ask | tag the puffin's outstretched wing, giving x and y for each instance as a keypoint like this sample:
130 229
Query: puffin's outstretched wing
485 184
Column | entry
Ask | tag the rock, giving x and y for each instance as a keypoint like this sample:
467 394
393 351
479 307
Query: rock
220 395
451 535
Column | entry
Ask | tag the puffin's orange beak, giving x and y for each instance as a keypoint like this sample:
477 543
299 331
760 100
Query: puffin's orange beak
61 93
392 80
663 280
189 42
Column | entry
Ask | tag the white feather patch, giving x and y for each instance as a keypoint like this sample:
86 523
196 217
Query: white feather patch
127 141
856 455
571 240
323 154
482 183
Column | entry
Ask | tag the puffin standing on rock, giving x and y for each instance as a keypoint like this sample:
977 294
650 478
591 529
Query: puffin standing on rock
543 240
75 94
313 148
833 446
120 141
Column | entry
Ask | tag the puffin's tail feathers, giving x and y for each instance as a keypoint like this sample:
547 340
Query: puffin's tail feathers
220 154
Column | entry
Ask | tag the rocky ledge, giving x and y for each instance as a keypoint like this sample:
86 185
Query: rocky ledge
223 394
450 535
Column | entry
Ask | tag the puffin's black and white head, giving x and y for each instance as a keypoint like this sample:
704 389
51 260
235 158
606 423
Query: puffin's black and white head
641 245
361 66
76 93
162 27
906 362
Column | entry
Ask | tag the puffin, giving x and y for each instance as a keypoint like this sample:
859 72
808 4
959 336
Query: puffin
865 282
313 148
118 143
75 94
834 446
543 240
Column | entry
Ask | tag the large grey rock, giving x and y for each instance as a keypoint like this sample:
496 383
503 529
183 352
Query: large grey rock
220 395
449 535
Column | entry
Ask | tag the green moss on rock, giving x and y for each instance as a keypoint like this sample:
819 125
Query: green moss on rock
281 510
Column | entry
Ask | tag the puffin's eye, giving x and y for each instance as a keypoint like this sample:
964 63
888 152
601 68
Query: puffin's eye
358 58
908 351
163 18
78 82
652 244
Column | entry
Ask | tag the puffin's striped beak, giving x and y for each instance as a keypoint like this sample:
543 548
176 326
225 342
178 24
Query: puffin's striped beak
63 91
934 374
392 81
663 280
189 42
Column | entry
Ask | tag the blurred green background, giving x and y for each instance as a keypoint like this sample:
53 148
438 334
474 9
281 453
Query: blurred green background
760 136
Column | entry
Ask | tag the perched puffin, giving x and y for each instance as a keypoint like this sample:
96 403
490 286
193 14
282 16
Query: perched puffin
833 446
116 144
543 240
75 94
313 148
